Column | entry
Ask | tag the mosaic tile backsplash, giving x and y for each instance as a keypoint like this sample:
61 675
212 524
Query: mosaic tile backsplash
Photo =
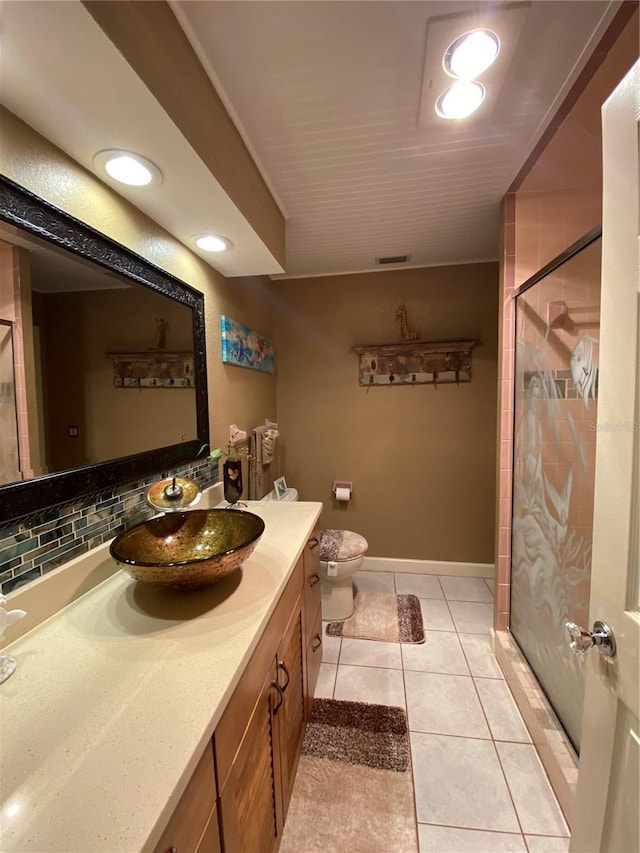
39 543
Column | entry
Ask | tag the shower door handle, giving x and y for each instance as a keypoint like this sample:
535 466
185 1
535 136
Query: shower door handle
580 639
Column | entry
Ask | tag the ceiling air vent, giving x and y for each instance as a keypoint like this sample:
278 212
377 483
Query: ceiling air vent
393 259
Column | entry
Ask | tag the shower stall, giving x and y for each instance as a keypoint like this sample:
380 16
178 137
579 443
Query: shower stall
555 428
9 454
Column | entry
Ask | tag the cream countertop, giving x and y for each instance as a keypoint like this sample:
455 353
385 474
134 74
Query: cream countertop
115 697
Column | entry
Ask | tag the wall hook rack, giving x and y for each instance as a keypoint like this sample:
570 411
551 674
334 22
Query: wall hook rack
415 362
153 369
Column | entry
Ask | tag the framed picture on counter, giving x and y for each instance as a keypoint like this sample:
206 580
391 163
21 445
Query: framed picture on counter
280 487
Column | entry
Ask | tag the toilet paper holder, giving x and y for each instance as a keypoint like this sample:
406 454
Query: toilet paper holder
342 484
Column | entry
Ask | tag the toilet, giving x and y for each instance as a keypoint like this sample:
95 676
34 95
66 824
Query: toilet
341 555
289 495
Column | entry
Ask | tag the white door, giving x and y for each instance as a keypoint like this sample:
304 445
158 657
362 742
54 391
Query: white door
608 794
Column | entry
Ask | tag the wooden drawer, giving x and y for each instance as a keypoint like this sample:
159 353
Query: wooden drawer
312 594
189 821
230 730
314 659
311 555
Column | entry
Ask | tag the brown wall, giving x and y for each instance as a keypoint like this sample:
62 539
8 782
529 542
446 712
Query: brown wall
79 329
422 460
235 395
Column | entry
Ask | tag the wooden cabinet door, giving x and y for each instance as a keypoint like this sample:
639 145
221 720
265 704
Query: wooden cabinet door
259 738
189 820
210 841
314 659
312 620
237 715
290 712
251 800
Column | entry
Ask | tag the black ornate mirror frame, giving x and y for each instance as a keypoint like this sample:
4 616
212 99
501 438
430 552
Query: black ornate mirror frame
29 212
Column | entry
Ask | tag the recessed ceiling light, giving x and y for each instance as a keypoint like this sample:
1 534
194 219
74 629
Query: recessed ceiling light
212 242
471 54
460 100
127 167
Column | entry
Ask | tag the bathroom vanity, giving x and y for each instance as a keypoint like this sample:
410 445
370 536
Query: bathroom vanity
141 719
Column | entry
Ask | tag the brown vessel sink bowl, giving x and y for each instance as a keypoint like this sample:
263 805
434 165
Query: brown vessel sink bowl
190 549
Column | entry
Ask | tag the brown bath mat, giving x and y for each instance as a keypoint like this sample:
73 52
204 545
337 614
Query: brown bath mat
382 616
353 790
358 733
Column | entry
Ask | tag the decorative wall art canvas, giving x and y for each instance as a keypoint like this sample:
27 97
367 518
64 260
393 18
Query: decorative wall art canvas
244 347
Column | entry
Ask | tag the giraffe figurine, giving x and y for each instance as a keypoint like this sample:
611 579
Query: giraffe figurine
406 333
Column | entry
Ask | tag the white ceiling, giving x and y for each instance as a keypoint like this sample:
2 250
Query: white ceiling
328 98
60 74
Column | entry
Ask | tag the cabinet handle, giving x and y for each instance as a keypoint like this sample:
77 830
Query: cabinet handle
316 643
282 665
313 579
313 542
280 696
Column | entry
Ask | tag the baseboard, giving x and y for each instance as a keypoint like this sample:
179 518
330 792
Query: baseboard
429 567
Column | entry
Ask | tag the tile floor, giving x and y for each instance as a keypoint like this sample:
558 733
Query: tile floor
479 785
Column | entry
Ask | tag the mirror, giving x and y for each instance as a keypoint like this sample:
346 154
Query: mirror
102 360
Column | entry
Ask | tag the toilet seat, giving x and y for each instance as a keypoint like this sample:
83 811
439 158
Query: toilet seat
337 546
341 555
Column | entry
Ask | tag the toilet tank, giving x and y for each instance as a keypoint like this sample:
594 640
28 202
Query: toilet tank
290 495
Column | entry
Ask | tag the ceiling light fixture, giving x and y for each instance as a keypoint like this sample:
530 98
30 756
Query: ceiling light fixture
212 242
472 46
460 100
471 54
127 167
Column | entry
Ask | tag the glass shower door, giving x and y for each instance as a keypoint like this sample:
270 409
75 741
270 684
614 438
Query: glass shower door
556 390
9 459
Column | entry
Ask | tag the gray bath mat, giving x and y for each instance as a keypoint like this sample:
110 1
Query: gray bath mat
382 616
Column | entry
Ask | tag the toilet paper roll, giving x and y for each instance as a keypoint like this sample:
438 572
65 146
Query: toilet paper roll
343 494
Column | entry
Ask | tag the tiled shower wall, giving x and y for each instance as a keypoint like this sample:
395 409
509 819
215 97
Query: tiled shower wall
554 474
9 462
506 365
554 201
13 310
34 545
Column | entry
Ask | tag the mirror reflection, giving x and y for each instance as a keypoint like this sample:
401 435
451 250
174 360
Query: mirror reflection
93 366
